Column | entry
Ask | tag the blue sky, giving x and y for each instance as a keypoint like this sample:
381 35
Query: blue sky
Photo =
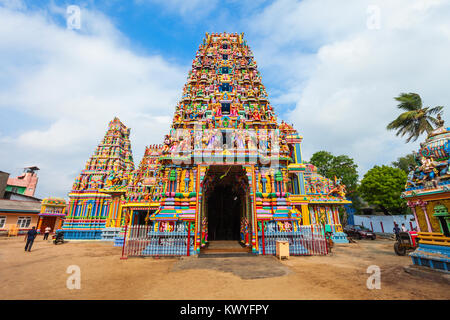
331 69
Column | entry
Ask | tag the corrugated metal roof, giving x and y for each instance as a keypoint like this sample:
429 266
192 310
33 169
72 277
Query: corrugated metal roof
19 206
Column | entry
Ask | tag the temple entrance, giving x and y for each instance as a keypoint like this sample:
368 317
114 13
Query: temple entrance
225 209
139 217
47 221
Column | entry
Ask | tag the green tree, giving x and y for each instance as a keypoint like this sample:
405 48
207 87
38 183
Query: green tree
415 119
382 187
344 168
405 162
322 160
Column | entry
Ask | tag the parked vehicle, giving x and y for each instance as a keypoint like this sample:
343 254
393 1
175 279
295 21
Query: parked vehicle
58 237
359 232
406 241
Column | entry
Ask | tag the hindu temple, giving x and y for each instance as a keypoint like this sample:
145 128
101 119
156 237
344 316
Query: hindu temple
227 170
427 193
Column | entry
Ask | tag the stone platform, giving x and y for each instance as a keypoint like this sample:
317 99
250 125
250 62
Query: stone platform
224 249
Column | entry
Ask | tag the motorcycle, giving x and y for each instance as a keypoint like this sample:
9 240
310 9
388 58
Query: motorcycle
58 237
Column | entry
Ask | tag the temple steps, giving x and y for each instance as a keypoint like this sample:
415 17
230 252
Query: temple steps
226 255
224 249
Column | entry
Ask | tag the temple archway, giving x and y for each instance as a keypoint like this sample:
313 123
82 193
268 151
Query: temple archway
226 203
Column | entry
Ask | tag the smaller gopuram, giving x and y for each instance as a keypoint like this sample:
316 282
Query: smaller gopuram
325 198
90 209
142 196
53 212
427 193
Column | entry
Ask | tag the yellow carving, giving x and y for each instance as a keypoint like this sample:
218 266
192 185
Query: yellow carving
182 182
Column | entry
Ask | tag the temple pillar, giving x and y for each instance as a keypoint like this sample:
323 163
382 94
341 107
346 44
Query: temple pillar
305 214
254 216
335 210
412 205
423 205
197 239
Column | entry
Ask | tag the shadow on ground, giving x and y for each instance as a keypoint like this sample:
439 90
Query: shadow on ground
257 267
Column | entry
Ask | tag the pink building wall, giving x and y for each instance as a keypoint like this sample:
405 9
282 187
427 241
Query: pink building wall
28 180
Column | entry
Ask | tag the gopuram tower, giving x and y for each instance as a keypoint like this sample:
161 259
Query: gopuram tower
228 168
91 210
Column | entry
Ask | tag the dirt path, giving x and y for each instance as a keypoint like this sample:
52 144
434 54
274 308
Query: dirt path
41 274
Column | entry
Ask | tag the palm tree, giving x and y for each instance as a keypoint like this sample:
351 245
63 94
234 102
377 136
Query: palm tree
416 119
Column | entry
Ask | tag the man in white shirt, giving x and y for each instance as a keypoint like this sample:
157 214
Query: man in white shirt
47 232
404 228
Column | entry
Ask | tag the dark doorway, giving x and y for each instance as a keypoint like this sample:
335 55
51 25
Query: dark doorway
225 108
444 226
225 87
139 217
226 190
224 207
48 222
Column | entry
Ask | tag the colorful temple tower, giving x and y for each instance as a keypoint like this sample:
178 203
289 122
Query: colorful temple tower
325 197
91 210
227 170
427 193
141 198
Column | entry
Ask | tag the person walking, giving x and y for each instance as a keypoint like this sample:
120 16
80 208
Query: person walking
31 235
47 232
404 228
396 230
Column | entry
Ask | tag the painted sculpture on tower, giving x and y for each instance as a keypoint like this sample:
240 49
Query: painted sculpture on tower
144 184
143 190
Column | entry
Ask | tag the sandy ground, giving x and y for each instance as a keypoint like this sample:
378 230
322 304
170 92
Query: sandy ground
41 274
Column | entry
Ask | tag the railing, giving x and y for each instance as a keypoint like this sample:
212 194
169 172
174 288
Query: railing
306 240
142 240
434 238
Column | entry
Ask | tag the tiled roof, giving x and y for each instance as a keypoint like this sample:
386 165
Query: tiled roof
19 206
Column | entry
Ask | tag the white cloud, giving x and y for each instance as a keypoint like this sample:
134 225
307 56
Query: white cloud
75 82
13 4
187 9
343 76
